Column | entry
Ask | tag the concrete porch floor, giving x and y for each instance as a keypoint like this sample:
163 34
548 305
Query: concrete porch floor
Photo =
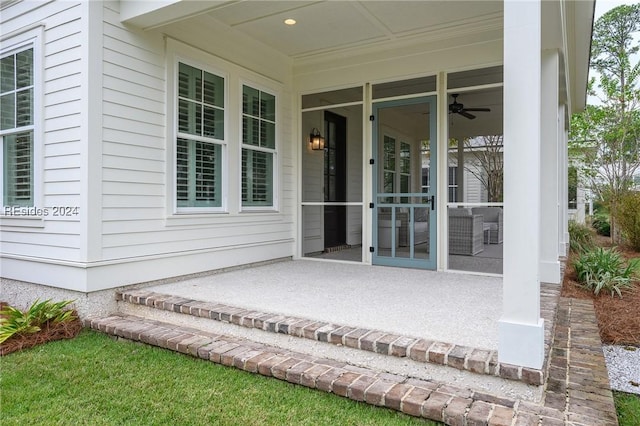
448 307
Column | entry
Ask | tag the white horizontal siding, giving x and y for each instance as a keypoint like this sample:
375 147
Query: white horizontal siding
67 147
232 242
62 188
123 176
25 13
134 192
132 188
135 151
60 128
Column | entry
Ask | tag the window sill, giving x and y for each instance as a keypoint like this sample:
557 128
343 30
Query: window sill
14 221
259 210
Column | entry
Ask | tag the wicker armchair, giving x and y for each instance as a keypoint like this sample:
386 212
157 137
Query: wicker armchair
465 232
493 221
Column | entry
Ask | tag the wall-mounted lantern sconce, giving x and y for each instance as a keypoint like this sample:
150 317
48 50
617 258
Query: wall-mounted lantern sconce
316 140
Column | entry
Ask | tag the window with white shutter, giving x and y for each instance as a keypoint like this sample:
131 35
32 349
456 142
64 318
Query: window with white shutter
17 127
200 138
258 147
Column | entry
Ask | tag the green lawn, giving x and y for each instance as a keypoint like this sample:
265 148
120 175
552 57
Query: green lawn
95 380
628 407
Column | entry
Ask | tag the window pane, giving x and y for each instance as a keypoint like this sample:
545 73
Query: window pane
213 123
7 74
268 107
207 166
24 69
268 135
182 171
250 101
189 117
257 178
388 182
389 153
18 169
189 82
250 131
404 184
213 90
24 108
198 174
405 157
7 111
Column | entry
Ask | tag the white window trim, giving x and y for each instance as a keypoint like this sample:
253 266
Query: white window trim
29 37
274 151
173 134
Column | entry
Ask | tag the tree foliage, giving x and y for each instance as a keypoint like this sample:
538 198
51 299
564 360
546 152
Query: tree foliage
605 137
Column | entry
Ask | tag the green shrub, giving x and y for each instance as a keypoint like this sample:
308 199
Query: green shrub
580 237
604 269
601 224
628 218
15 322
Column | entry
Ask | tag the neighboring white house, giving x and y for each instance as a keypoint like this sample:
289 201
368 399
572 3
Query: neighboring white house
143 140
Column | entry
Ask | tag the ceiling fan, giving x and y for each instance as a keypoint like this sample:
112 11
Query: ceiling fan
457 108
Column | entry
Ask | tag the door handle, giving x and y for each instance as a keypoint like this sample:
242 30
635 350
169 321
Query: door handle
433 202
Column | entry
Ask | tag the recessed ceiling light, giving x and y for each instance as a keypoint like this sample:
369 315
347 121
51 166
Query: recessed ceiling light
290 21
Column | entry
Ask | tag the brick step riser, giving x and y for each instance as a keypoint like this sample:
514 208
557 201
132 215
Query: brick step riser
482 362
428 399
395 365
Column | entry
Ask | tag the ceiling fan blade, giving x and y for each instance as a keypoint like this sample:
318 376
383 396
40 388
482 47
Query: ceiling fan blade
478 109
467 115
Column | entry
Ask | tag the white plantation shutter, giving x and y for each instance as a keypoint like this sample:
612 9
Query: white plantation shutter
257 178
259 147
18 169
198 174
16 127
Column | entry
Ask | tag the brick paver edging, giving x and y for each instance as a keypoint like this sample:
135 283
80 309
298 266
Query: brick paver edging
578 383
428 399
480 361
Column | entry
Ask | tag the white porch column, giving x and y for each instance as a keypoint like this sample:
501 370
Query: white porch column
563 181
550 188
521 330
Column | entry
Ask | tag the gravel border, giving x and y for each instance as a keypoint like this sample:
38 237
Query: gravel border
623 364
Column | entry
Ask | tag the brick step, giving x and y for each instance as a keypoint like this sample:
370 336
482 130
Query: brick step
421 398
464 358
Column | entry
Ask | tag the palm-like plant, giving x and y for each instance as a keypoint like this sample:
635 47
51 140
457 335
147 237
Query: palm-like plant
16 322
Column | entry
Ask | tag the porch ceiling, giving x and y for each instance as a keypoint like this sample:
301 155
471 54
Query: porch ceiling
326 26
